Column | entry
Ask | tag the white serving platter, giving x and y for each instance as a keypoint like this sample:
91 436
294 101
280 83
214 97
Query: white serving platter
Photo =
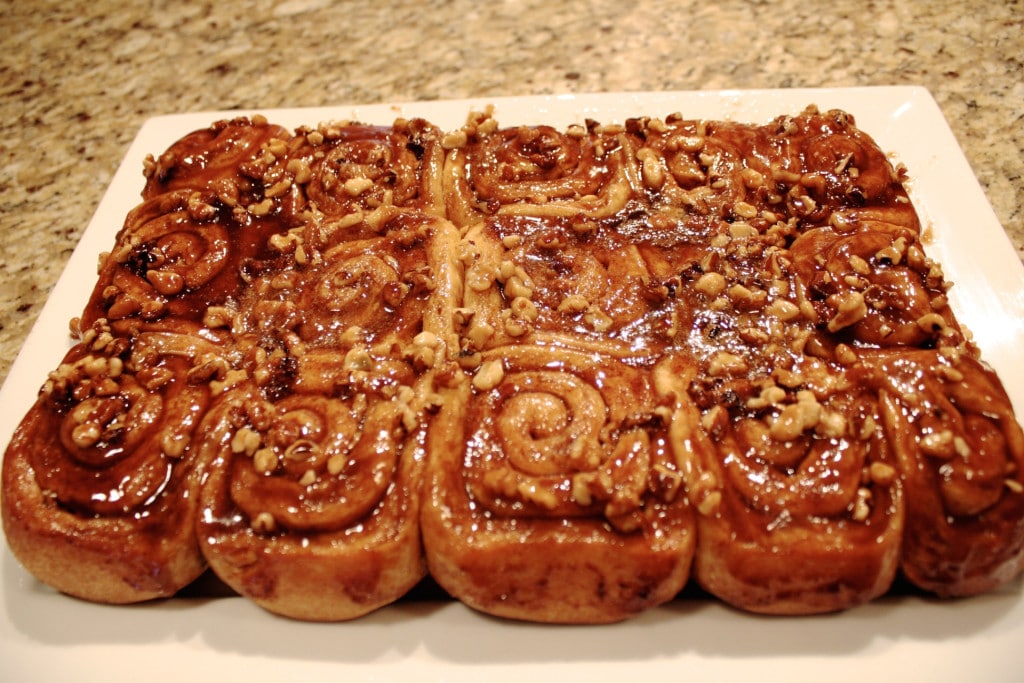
207 635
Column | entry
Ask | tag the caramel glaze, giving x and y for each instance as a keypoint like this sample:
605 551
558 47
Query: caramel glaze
100 503
958 444
581 365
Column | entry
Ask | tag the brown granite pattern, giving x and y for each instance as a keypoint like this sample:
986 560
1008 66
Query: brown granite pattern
77 79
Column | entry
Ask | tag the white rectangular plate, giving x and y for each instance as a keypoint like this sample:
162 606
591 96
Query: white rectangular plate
46 636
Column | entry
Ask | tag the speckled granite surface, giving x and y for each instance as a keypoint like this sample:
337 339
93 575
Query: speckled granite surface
77 79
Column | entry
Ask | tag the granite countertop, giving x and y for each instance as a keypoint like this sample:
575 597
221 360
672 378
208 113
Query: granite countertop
79 79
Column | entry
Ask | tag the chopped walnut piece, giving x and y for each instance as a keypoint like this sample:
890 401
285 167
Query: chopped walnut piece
264 523
711 284
489 375
851 310
724 363
862 505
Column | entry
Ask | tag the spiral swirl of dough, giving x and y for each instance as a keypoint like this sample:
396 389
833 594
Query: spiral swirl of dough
120 425
799 460
369 287
168 250
540 171
876 283
229 151
564 439
842 167
362 167
961 453
540 278
313 463
953 420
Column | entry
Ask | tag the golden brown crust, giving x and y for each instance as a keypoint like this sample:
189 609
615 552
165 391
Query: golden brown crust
101 477
581 364
961 453
552 493
311 508
806 524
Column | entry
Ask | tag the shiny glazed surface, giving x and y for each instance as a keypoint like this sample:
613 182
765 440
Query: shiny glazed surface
666 334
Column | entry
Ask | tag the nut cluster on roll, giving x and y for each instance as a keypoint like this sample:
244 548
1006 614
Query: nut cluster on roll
563 372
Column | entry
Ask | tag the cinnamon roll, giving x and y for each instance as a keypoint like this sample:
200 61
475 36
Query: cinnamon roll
101 478
175 256
311 506
874 285
552 492
961 454
799 494
555 280
587 172
229 157
353 168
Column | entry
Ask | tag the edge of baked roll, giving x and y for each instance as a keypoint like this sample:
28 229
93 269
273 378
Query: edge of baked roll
311 507
551 493
101 478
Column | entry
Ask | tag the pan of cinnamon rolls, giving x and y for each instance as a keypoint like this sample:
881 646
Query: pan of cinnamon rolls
564 372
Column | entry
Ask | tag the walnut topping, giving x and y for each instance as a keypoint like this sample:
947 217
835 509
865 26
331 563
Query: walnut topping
519 285
573 303
423 352
745 210
597 319
932 323
783 309
862 505
770 395
300 170
489 375
264 523
166 282
479 332
651 169
881 473
278 188
357 186
86 435
724 363
711 284
580 492
173 444
851 309
245 440
218 317
231 379
797 417
893 254
261 208
264 460
524 309
709 503
831 425
513 327
742 230
455 139
937 444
